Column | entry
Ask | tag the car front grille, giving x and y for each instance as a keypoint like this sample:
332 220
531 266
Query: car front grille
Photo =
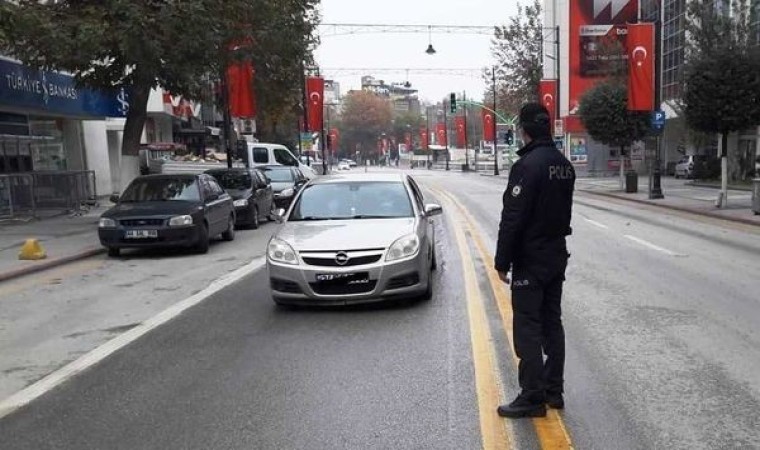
331 262
284 286
404 281
348 258
142 222
344 289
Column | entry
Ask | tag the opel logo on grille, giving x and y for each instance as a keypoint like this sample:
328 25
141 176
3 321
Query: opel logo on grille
341 258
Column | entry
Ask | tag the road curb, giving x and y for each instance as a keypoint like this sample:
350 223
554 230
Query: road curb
49 264
675 208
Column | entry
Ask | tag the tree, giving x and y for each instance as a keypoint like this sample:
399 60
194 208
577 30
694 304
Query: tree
722 77
605 115
407 123
365 117
518 50
141 44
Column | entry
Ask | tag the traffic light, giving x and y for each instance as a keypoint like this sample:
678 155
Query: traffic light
509 137
453 103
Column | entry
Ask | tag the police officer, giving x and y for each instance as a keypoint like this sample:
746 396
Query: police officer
534 223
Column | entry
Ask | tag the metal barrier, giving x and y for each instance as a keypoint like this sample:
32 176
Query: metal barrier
29 193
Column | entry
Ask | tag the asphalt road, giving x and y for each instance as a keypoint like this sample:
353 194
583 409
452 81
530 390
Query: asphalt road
661 314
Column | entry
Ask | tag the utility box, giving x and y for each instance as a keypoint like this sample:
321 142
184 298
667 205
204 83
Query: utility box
631 182
756 196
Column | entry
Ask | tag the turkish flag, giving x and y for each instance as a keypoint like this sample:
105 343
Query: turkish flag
461 134
547 91
408 141
424 139
489 121
640 46
241 98
315 100
440 134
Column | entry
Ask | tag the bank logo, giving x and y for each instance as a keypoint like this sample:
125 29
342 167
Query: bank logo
123 103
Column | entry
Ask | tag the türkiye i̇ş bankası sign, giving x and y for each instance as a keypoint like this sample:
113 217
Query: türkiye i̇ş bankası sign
55 93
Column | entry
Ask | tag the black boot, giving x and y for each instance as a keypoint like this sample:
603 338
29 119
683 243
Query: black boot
555 401
522 407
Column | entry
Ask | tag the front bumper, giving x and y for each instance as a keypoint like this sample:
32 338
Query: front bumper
167 237
298 285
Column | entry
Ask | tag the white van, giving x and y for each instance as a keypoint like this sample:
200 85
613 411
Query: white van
262 154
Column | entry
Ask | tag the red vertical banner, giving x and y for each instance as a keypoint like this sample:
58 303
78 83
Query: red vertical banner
440 135
242 100
596 37
461 135
424 139
640 46
488 119
408 141
315 100
547 92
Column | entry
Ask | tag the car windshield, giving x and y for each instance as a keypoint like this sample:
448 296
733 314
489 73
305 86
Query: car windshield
162 189
353 200
233 180
279 175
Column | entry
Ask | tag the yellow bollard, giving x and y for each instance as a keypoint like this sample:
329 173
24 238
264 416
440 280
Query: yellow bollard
32 250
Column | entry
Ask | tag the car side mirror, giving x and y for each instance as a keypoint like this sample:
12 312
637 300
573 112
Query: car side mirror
431 209
114 198
279 215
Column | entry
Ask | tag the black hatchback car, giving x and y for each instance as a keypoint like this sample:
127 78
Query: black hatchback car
168 211
286 182
251 193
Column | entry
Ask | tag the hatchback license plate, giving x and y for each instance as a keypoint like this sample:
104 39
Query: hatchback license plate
141 234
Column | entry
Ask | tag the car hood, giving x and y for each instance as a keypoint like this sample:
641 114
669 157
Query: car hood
332 235
238 194
278 186
143 209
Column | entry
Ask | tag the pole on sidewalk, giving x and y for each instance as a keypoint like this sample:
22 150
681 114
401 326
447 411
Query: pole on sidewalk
493 124
466 153
446 133
655 178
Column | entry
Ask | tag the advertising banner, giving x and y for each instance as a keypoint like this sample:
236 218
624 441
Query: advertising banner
598 30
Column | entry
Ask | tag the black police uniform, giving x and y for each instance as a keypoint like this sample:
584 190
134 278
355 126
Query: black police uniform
534 223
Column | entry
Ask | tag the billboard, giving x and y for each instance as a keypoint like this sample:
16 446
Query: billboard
598 30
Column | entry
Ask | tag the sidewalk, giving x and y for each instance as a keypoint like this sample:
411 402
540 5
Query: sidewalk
65 238
679 195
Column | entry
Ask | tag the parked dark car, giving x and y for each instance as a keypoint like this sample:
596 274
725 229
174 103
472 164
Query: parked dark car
168 211
251 193
286 182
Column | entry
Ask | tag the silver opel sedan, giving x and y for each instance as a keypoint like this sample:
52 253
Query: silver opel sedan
350 239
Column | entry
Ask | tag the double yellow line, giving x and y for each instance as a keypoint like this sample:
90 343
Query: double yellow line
496 432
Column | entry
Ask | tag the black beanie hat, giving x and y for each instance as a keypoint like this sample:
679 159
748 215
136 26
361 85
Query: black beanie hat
535 120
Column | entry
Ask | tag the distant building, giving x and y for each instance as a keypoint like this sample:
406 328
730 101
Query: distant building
402 96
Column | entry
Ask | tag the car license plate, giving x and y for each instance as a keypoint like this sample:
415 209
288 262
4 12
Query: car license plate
141 234
342 277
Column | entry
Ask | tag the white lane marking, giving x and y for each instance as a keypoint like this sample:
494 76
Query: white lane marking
33 391
597 224
650 245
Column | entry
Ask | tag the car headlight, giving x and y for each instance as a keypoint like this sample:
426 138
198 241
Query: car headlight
287 192
405 247
105 222
242 203
180 221
280 251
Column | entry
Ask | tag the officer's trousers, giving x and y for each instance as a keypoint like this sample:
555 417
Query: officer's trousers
538 331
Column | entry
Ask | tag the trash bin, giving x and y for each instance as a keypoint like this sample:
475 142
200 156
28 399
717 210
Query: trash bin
631 182
756 196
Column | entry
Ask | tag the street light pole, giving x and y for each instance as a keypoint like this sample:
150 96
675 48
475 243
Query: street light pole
655 180
466 153
446 133
493 124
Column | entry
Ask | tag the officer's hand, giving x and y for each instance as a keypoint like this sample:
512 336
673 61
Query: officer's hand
504 276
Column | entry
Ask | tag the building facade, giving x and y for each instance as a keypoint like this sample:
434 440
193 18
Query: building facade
578 21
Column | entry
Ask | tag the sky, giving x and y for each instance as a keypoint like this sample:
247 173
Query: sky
407 51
